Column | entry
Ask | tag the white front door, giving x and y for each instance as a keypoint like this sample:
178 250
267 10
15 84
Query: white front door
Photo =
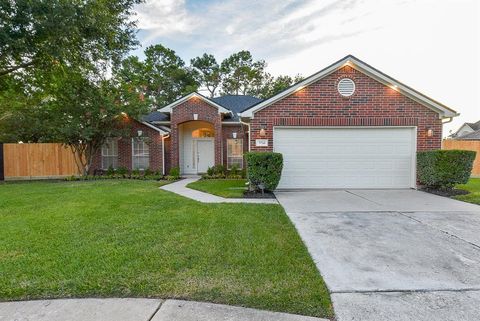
367 157
205 155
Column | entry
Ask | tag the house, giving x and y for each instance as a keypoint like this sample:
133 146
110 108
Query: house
346 126
468 131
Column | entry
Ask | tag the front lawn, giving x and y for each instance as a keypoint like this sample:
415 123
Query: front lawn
473 186
129 239
231 188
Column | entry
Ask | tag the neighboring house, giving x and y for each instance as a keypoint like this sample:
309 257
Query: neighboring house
468 131
346 126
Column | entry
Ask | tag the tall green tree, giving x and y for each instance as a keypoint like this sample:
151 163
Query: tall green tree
273 85
208 72
38 34
162 76
241 74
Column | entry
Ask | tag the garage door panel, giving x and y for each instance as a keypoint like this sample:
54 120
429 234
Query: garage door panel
345 157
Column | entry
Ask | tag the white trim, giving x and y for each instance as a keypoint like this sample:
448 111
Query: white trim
413 177
168 108
162 132
354 62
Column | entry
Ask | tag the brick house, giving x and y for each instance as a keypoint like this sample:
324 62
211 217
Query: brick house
346 126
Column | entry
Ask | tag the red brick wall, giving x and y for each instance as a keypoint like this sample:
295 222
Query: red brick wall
125 147
183 113
242 133
372 104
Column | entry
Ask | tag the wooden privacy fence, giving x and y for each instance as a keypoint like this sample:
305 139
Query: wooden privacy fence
465 145
38 161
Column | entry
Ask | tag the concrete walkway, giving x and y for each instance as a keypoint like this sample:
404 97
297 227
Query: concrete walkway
135 310
181 188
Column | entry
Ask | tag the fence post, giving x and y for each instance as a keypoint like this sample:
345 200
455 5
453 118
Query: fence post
2 176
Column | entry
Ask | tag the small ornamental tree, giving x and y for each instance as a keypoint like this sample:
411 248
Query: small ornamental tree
264 170
88 112
443 169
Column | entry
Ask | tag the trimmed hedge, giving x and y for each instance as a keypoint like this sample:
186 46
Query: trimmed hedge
264 169
443 169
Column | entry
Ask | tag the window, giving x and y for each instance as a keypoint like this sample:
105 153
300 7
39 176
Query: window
110 153
140 154
234 153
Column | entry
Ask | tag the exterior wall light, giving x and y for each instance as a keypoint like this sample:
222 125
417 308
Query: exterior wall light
263 132
234 135
139 133
429 132
195 116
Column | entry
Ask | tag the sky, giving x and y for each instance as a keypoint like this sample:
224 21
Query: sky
432 46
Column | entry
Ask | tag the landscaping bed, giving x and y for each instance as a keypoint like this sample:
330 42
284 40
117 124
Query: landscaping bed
127 238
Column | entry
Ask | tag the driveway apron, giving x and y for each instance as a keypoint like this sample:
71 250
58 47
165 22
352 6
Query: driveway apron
392 254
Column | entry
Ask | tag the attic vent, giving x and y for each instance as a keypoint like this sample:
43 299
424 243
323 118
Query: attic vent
346 87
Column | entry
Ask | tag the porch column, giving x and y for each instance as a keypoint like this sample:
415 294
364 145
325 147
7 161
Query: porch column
174 155
218 141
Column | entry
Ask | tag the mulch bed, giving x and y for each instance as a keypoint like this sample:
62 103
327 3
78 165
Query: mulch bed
250 194
446 193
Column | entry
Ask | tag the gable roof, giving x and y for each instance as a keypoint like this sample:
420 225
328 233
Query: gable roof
474 126
168 108
470 136
442 110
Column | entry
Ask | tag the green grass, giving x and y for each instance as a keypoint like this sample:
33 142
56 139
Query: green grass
231 188
473 186
129 239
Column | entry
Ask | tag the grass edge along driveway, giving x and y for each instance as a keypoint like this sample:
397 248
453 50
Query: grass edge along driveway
473 186
129 239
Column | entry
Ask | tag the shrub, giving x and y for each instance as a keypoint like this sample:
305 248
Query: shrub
215 172
443 169
174 173
110 171
122 171
264 169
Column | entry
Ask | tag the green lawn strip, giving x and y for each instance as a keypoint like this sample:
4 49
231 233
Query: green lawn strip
473 186
122 238
230 188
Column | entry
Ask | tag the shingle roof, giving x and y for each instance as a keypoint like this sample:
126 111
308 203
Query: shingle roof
155 116
235 103
474 126
470 136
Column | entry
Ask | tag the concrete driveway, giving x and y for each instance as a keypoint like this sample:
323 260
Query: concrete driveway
392 254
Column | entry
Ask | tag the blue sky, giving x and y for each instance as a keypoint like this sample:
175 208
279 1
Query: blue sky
431 45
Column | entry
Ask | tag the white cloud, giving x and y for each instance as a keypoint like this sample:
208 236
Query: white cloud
429 44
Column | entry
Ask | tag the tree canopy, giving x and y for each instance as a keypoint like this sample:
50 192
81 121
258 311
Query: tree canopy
65 76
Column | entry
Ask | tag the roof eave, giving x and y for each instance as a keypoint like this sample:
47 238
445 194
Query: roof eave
168 108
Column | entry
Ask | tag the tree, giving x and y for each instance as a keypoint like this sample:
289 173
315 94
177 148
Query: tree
273 86
88 112
240 74
207 72
162 76
38 34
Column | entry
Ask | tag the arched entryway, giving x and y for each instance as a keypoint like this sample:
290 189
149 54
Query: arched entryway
196 146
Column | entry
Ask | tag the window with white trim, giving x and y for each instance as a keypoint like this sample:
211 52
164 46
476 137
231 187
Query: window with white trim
234 153
140 154
110 153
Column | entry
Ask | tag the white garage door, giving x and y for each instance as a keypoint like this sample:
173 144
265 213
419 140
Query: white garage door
346 157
